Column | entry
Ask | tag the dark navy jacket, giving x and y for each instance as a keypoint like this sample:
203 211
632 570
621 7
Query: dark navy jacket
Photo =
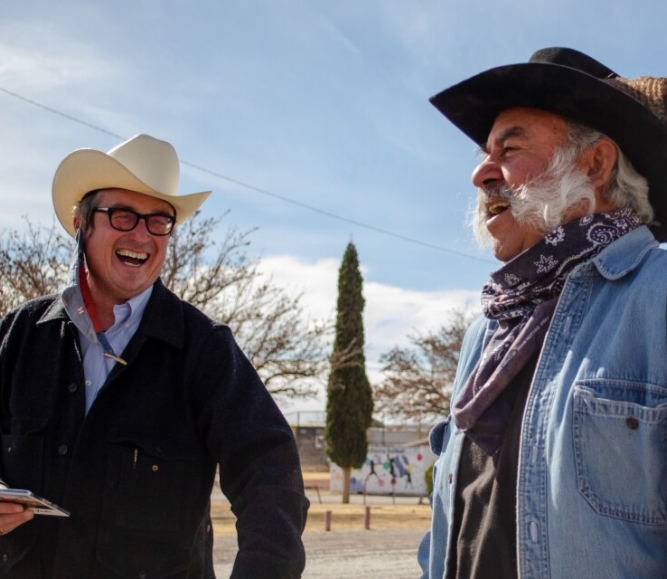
137 472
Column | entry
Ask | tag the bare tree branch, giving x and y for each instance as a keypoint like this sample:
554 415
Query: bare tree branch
289 350
418 380
33 263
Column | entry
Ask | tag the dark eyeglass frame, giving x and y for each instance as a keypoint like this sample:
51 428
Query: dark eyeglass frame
147 217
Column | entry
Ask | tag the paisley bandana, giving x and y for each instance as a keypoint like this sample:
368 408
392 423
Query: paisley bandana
522 296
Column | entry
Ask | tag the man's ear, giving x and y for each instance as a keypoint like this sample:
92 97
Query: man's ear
600 161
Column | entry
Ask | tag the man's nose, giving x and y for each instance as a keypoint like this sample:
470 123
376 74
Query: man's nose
486 173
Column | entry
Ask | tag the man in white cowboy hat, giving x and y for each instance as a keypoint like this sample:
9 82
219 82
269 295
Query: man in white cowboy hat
118 401
553 463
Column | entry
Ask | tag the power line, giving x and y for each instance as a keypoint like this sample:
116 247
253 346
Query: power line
61 114
257 189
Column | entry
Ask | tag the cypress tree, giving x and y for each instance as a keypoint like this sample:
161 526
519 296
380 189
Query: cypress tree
349 394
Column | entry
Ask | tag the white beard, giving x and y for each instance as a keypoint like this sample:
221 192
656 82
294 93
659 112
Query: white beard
542 202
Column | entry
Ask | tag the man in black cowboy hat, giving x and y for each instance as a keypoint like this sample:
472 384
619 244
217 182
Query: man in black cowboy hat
118 401
553 463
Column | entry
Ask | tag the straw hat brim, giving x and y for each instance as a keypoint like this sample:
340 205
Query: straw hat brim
87 170
474 104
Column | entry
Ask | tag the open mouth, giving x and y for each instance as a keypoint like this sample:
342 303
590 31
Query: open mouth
131 258
497 207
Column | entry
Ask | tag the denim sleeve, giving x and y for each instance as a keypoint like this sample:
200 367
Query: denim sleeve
422 555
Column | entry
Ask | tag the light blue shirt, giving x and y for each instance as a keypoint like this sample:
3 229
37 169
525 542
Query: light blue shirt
96 367
592 476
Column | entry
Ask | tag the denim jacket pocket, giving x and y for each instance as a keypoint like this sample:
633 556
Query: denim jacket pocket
620 449
436 437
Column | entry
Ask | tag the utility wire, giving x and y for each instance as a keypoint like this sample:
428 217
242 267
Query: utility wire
257 189
61 114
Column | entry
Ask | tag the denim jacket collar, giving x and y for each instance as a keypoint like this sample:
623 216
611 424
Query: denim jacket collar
624 255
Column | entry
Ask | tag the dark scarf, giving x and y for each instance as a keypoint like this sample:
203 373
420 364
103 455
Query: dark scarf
522 296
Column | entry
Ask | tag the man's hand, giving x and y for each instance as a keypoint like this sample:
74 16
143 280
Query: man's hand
12 516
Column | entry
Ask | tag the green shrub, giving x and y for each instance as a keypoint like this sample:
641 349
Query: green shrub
428 478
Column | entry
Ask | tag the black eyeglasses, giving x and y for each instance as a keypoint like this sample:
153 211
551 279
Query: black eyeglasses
126 220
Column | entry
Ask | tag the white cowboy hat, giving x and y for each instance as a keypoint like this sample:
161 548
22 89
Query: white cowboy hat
142 164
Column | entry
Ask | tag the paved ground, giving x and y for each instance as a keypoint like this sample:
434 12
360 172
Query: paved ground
346 554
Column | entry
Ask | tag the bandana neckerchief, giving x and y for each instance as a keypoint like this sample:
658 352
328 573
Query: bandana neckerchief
522 296
79 304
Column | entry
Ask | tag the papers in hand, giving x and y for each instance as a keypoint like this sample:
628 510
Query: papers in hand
30 500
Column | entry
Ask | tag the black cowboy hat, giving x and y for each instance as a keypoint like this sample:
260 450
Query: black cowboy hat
579 88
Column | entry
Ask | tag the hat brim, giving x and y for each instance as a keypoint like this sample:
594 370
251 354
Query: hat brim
87 170
474 104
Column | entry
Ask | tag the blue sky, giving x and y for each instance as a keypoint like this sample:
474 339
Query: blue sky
324 103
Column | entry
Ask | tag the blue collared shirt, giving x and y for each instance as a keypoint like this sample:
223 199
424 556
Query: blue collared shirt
96 367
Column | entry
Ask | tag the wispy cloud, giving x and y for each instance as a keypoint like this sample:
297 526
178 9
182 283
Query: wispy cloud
390 316
391 313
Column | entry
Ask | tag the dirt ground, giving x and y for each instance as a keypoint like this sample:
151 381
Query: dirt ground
387 549
386 513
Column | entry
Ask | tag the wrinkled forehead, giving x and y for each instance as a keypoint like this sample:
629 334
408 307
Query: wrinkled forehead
526 125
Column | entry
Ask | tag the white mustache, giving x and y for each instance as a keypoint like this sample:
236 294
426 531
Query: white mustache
540 203
488 195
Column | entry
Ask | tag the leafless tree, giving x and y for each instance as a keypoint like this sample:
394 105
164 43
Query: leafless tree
288 349
33 263
418 380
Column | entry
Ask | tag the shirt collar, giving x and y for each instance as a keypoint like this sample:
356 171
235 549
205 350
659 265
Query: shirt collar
155 324
131 311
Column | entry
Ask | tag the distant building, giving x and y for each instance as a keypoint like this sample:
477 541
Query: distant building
398 456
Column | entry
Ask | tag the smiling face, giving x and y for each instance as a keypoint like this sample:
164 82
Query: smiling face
122 264
519 148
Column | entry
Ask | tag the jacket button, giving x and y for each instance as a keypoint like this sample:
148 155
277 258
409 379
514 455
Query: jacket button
72 388
143 575
62 449
533 531
632 423
5 557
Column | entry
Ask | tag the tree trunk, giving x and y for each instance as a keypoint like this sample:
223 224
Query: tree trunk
347 473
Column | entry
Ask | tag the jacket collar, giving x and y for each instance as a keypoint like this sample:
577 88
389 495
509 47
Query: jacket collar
162 319
625 254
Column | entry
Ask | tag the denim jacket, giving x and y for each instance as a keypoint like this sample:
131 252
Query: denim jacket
592 475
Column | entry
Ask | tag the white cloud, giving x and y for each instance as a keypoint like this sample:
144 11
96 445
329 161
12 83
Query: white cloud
390 316
391 313
315 280
59 62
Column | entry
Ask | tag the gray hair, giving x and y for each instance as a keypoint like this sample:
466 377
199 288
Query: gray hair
85 207
626 188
